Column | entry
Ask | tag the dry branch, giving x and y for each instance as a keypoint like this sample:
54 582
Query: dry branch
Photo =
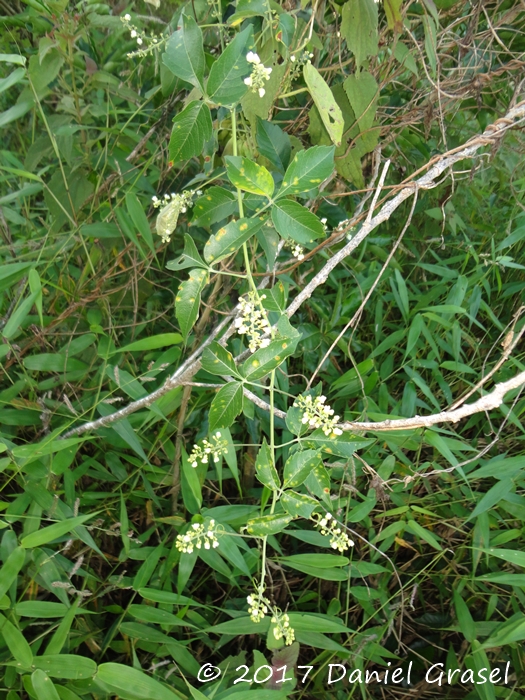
485 403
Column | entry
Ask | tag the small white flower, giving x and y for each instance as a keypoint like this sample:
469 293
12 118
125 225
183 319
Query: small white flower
133 33
139 41
261 92
248 80
292 58
317 414
127 17
339 540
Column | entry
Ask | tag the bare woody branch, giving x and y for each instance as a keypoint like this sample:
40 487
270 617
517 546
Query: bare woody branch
426 182
191 366
485 403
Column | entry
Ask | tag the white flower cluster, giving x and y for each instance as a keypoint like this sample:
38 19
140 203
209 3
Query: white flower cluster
147 44
297 62
214 449
296 249
318 414
259 74
172 206
258 606
338 539
253 321
196 536
282 627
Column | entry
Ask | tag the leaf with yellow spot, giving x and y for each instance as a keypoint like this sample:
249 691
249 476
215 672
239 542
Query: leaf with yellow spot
188 300
299 465
248 176
217 360
216 205
264 360
298 504
267 524
226 406
230 238
265 467
307 170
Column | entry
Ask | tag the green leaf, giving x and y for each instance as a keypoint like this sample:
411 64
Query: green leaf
416 529
325 102
326 574
190 257
226 82
492 497
508 632
292 220
40 608
513 556
184 54
256 107
229 239
363 92
267 359
217 360
216 204
16 642
359 28
248 8
192 127
9 571
307 170
12 79
341 445
15 112
152 343
191 486
466 623
307 622
298 466
267 525
43 686
130 681
240 625
393 14
139 218
298 504
321 561
35 285
53 532
188 300
12 327
248 176
265 468
273 143
59 638
13 58
318 481
147 613
69 666
226 406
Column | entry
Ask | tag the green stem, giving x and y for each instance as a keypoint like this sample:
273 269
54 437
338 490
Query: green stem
241 212
247 264
290 94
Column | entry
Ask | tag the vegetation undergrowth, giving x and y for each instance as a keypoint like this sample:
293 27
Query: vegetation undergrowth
258 259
